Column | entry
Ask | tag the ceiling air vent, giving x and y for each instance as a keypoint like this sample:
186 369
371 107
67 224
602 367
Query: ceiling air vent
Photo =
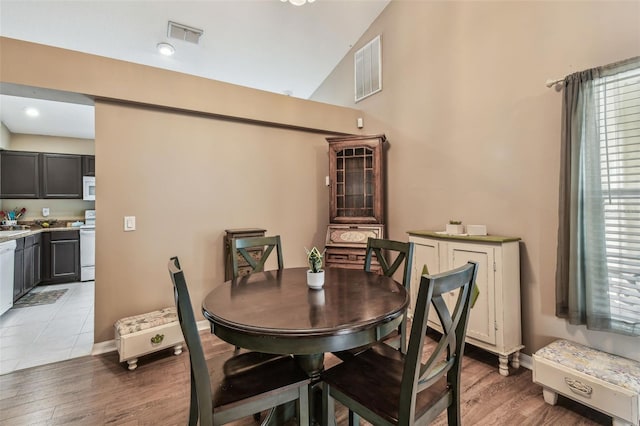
184 32
368 69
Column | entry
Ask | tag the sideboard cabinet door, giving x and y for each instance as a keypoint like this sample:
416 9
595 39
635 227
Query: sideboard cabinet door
495 320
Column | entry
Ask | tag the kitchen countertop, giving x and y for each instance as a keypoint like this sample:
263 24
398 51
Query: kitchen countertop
14 234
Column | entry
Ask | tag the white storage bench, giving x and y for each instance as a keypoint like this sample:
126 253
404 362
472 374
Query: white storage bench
146 333
605 382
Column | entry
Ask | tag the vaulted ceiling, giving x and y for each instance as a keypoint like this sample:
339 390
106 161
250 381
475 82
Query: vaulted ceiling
264 44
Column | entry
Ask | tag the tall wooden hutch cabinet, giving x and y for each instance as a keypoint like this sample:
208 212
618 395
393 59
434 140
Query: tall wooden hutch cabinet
357 200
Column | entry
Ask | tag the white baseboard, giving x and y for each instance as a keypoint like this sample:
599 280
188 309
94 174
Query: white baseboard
526 361
110 345
103 347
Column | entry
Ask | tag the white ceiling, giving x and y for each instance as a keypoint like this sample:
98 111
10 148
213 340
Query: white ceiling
264 44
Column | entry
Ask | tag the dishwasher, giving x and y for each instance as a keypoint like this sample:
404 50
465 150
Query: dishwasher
7 250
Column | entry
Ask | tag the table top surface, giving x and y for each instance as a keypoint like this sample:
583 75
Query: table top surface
279 303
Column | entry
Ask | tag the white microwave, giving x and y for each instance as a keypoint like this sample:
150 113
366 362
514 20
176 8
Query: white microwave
88 188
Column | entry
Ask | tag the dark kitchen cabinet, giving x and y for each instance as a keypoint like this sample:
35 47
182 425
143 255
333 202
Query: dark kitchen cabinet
18 270
88 165
60 257
25 175
19 174
32 261
27 265
61 176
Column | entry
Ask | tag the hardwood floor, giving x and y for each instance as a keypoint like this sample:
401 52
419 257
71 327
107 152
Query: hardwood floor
98 390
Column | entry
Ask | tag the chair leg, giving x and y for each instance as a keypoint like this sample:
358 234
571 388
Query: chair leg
328 407
453 415
453 411
403 335
354 418
193 406
303 406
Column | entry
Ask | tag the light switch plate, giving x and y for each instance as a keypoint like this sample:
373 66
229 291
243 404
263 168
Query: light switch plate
45 211
129 223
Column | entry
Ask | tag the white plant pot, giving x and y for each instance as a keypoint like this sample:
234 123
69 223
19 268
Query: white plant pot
315 280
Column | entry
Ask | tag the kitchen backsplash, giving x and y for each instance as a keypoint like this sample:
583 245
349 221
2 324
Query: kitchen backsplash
58 209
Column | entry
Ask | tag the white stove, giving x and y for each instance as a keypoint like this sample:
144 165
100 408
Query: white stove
89 219
88 246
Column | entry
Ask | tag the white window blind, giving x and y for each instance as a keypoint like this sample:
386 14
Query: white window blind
619 128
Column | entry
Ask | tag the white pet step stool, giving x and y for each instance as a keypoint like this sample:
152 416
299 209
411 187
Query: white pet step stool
146 333
605 382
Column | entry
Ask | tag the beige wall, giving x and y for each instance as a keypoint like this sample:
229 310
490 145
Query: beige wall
474 133
186 176
187 179
46 69
61 145
58 209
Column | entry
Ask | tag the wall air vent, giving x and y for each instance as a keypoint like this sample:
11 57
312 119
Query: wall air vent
184 32
368 69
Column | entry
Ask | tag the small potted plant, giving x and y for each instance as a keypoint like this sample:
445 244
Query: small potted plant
315 274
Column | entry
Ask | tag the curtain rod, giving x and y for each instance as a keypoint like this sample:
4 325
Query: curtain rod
606 69
550 83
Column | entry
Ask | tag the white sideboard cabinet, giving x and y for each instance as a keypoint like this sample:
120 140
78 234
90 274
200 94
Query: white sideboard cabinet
495 321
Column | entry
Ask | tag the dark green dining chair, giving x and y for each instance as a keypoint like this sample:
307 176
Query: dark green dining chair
391 255
243 384
255 251
387 387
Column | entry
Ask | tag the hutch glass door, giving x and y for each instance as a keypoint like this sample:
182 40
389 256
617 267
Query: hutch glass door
354 182
355 165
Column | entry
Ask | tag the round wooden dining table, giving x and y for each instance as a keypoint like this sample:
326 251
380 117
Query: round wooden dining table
276 312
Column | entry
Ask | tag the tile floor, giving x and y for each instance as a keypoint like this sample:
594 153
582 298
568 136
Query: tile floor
44 334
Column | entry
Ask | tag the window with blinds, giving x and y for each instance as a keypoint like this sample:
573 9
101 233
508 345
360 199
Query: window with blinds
619 128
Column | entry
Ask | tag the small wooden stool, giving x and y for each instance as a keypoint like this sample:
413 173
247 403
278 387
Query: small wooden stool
603 381
147 333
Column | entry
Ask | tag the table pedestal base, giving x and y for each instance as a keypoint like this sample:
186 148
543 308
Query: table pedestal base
312 365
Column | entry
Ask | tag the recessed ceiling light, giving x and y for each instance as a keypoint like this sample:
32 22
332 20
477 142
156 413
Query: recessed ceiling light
32 112
166 49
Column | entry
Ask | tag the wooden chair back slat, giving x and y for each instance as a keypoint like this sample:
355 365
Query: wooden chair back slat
446 359
242 246
401 253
